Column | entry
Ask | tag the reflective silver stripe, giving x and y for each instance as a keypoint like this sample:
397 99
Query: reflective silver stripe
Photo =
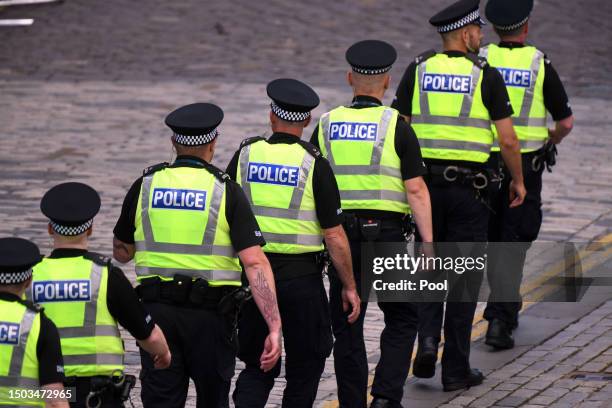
531 122
355 169
529 92
311 240
17 357
298 192
204 274
244 164
372 195
205 248
423 97
454 145
468 100
100 330
22 382
325 129
525 144
302 215
383 127
93 359
451 121
186 249
91 307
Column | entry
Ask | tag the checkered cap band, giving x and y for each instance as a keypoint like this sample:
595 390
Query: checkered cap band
513 26
365 71
469 19
15 277
197 140
288 115
71 231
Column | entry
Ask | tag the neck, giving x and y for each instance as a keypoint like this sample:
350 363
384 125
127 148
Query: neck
59 243
455 46
13 290
290 130
378 94
514 39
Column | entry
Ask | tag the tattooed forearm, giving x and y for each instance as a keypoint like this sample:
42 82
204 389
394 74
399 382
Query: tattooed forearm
265 296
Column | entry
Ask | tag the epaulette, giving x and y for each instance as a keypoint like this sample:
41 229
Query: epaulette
154 168
251 140
310 148
219 174
478 61
425 56
31 305
98 259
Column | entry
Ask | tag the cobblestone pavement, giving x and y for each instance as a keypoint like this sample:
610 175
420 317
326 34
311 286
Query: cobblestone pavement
84 92
571 369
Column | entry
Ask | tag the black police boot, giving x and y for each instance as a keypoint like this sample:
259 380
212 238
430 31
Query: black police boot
499 335
474 377
384 403
424 365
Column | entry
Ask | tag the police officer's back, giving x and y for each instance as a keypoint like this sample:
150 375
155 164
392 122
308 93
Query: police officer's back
188 227
30 352
535 89
87 297
452 99
377 162
295 197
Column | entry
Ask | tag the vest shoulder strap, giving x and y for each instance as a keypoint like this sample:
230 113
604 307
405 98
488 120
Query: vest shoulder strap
476 60
156 167
250 140
218 173
425 56
310 148
98 259
31 305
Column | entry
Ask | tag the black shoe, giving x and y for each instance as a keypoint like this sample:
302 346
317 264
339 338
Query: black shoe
384 403
499 335
473 378
424 365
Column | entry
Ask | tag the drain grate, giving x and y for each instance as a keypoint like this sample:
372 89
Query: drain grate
583 376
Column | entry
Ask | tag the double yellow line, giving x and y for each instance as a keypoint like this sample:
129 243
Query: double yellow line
590 257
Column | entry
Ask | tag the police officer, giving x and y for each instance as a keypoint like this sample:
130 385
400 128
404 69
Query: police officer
87 297
451 99
30 351
378 169
534 88
295 198
188 226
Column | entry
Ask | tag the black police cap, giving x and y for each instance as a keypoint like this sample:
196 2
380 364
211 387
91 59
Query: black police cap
17 257
508 15
457 15
195 124
371 57
71 207
292 100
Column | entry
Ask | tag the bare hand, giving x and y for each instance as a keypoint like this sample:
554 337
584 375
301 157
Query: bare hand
517 194
552 135
272 351
162 361
350 299
427 250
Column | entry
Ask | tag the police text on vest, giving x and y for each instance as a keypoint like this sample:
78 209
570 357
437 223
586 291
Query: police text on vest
516 77
447 83
353 131
273 174
9 333
178 199
61 291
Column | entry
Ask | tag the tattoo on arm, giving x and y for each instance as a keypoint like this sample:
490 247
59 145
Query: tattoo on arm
262 291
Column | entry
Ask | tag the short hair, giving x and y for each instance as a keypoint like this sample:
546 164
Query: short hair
509 33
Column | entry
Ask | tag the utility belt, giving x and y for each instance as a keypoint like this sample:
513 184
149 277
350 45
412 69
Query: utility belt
369 229
182 291
292 273
101 387
479 179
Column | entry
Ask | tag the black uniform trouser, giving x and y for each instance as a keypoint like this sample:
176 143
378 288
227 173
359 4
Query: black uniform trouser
304 311
459 216
82 385
200 347
396 340
520 224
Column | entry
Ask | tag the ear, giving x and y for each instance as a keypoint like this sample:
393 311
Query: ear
526 28
307 121
49 229
89 231
349 78
26 284
387 81
465 34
